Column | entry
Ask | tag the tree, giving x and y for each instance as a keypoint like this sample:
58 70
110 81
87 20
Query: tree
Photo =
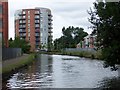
71 37
106 25
20 43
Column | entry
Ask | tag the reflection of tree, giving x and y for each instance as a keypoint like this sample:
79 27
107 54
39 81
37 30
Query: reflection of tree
110 83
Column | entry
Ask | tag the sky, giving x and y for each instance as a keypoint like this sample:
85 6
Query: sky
65 13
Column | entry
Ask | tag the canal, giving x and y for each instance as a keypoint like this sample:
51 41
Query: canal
61 71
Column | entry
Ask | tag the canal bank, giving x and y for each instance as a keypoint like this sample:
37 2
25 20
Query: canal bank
11 65
86 54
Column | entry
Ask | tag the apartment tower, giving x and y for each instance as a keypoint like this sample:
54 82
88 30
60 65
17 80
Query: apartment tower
4 22
35 26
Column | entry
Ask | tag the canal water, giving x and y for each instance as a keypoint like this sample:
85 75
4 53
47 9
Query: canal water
61 71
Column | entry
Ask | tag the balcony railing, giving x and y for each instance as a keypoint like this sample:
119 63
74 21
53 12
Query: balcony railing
37 17
37 30
50 27
37 21
37 40
22 31
37 34
22 18
49 31
37 12
22 27
23 35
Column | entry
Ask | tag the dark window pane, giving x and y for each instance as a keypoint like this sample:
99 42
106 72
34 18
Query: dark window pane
0 9
0 23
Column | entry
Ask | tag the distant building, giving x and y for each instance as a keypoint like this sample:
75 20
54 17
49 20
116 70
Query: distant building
4 22
35 26
88 42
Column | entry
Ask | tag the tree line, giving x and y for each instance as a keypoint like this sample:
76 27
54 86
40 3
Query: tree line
70 38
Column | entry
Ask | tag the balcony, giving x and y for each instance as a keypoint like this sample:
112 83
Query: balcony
22 22
37 34
22 27
37 40
37 26
37 17
49 31
49 23
24 12
23 35
37 21
37 44
50 27
37 13
37 30
50 15
22 18
50 19
22 31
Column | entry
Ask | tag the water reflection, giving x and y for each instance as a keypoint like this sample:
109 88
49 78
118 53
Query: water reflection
56 71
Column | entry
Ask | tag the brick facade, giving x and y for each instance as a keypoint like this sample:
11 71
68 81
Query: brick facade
4 20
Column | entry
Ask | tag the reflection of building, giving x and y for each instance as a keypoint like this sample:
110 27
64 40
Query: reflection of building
34 25
88 42
4 21
45 63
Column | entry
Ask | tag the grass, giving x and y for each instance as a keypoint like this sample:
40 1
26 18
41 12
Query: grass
21 63
86 54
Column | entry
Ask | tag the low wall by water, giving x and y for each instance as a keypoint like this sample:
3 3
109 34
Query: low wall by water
9 53
79 49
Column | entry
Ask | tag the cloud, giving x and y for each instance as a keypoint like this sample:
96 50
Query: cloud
65 13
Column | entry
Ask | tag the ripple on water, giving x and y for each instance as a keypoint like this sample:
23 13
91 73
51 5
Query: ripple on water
57 71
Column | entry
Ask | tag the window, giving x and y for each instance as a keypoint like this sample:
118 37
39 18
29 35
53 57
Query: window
28 26
28 34
20 21
28 12
0 23
23 16
36 12
0 8
41 26
28 21
28 29
28 16
24 12
29 38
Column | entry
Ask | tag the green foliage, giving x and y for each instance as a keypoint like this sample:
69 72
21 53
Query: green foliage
71 37
20 43
106 24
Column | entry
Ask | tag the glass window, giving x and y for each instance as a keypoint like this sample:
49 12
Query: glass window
0 23
41 25
28 21
29 30
0 8
28 34
24 12
23 16
28 16
28 12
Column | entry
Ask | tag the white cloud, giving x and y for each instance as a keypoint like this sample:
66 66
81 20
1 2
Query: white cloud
65 13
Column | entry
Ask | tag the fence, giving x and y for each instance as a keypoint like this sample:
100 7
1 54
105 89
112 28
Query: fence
9 53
